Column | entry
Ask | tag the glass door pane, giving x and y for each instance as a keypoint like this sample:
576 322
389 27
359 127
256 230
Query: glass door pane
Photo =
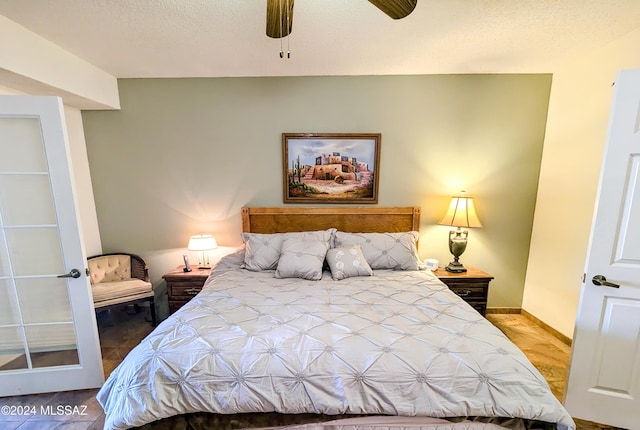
36 321
12 348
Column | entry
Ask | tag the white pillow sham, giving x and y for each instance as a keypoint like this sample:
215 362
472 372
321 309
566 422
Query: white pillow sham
395 251
262 251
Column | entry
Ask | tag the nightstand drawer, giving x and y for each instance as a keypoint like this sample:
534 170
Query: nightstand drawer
184 290
470 292
175 305
479 306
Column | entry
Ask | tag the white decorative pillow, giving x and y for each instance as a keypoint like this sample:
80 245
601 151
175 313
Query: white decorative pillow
302 258
348 262
395 251
262 251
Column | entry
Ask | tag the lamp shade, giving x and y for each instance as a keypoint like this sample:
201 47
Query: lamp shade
202 242
461 213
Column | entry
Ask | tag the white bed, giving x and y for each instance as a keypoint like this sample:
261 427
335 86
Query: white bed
398 347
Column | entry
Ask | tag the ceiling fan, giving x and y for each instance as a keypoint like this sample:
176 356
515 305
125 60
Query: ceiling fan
280 15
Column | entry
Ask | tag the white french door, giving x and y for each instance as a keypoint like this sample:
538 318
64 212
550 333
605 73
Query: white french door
48 333
604 377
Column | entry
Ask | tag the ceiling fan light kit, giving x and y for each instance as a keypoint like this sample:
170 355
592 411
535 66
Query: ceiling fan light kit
280 16
396 9
280 22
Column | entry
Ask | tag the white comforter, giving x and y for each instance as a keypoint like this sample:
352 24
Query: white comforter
396 343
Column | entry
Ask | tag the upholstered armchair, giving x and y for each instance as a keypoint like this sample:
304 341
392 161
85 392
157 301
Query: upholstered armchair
120 278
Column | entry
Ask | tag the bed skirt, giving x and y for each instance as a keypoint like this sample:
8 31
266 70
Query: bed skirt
274 420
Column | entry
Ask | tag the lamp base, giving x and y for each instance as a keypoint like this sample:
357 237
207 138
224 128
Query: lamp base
208 266
455 267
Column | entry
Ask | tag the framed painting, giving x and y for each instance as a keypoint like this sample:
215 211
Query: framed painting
330 167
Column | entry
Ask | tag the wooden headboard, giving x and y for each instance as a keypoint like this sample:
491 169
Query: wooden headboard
353 219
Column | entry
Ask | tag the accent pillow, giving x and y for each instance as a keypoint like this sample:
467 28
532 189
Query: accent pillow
262 251
348 262
395 251
302 258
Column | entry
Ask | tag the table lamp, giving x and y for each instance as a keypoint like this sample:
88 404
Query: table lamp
461 213
202 243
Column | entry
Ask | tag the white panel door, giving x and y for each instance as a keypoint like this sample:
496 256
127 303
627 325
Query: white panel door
48 332
604 376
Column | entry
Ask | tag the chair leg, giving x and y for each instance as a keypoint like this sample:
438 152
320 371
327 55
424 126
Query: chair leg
152 309
104 317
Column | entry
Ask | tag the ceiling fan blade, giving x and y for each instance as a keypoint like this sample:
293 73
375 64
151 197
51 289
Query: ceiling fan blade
396 9
279 18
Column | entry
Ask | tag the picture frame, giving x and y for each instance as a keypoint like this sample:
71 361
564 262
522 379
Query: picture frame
331 167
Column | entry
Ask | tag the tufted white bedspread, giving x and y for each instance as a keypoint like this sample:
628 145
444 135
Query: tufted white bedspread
396 343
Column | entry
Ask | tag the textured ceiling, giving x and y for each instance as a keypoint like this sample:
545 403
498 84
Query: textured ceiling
203 38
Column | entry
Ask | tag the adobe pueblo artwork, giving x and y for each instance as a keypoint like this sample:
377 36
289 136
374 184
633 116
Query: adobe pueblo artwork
330 168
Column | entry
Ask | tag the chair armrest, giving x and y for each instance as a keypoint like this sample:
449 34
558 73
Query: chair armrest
139 268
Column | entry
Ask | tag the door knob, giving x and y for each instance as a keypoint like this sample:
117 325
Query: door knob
601 281
74 273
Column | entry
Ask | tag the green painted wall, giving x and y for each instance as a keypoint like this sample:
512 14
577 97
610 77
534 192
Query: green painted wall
183 156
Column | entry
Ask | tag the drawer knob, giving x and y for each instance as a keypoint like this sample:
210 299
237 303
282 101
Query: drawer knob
192 291
463 293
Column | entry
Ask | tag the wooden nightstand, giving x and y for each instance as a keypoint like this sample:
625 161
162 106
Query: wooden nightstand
472 286
182 286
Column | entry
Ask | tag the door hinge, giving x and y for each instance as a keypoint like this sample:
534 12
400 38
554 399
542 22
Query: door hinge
584 278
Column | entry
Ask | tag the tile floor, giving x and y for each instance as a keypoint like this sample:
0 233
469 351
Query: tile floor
122 331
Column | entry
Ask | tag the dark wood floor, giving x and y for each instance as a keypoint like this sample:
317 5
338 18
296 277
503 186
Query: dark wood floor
122 331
